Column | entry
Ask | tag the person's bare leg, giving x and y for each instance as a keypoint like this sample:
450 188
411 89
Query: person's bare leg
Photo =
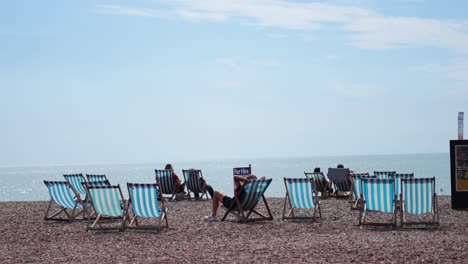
217 199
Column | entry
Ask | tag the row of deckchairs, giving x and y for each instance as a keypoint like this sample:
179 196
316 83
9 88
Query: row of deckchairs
193 182
102 202
387 191
355 193
376 195
71 194
417 197
108 205
339 181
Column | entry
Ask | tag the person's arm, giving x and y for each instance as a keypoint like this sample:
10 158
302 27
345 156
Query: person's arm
239 179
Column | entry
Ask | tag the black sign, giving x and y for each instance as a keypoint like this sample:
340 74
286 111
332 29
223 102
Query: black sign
241 171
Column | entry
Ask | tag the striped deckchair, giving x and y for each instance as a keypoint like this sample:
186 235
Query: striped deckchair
96 183
143 201
90 210
356 189
300 194
341 180
109 204
320 182
378 195
75 181
166 182
384 174
418 197
96 177
398 177
62 196
246 200
195 183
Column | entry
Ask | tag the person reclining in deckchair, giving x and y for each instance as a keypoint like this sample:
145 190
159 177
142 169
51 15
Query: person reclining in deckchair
219 197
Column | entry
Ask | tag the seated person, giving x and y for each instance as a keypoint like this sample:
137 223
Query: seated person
350 175
219 197
179 187
208 188
328 186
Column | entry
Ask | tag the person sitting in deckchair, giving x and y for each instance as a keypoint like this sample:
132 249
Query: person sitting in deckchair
219 197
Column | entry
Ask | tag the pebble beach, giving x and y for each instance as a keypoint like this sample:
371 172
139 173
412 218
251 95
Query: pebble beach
336 238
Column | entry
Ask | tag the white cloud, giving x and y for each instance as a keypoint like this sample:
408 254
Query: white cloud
355 90
380 32
366 28
456 71
266 63
199 16
231 61
126 11
277 36
237 62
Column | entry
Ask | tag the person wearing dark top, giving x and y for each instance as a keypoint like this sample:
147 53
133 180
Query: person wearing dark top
219 197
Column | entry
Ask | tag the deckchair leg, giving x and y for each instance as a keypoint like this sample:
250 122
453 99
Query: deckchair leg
96 221
165 217
284 207
319 210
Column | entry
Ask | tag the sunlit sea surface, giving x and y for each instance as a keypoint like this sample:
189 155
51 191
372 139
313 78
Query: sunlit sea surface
26 183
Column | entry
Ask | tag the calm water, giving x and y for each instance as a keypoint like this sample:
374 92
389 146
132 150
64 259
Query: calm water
26 183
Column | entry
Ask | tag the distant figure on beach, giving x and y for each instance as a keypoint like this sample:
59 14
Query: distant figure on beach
328 185
179 187
350 175
219 197
208 187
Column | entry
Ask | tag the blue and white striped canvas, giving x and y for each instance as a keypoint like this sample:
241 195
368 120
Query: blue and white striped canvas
192 179
384 174
61 194
165 180
96 177
320 182
75 181
418 195
398 177
378 194
99 183
107 200
253 193
144 199
357 177
301 193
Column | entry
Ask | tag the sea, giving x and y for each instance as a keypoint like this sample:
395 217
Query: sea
25 183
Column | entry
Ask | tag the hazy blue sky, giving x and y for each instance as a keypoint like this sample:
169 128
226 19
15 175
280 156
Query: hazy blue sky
170 80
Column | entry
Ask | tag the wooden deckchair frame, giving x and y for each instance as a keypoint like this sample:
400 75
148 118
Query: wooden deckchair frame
89 205
287 201
420 224
355 201
204 190
243 215
70 216
133 221
99 220
85 202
